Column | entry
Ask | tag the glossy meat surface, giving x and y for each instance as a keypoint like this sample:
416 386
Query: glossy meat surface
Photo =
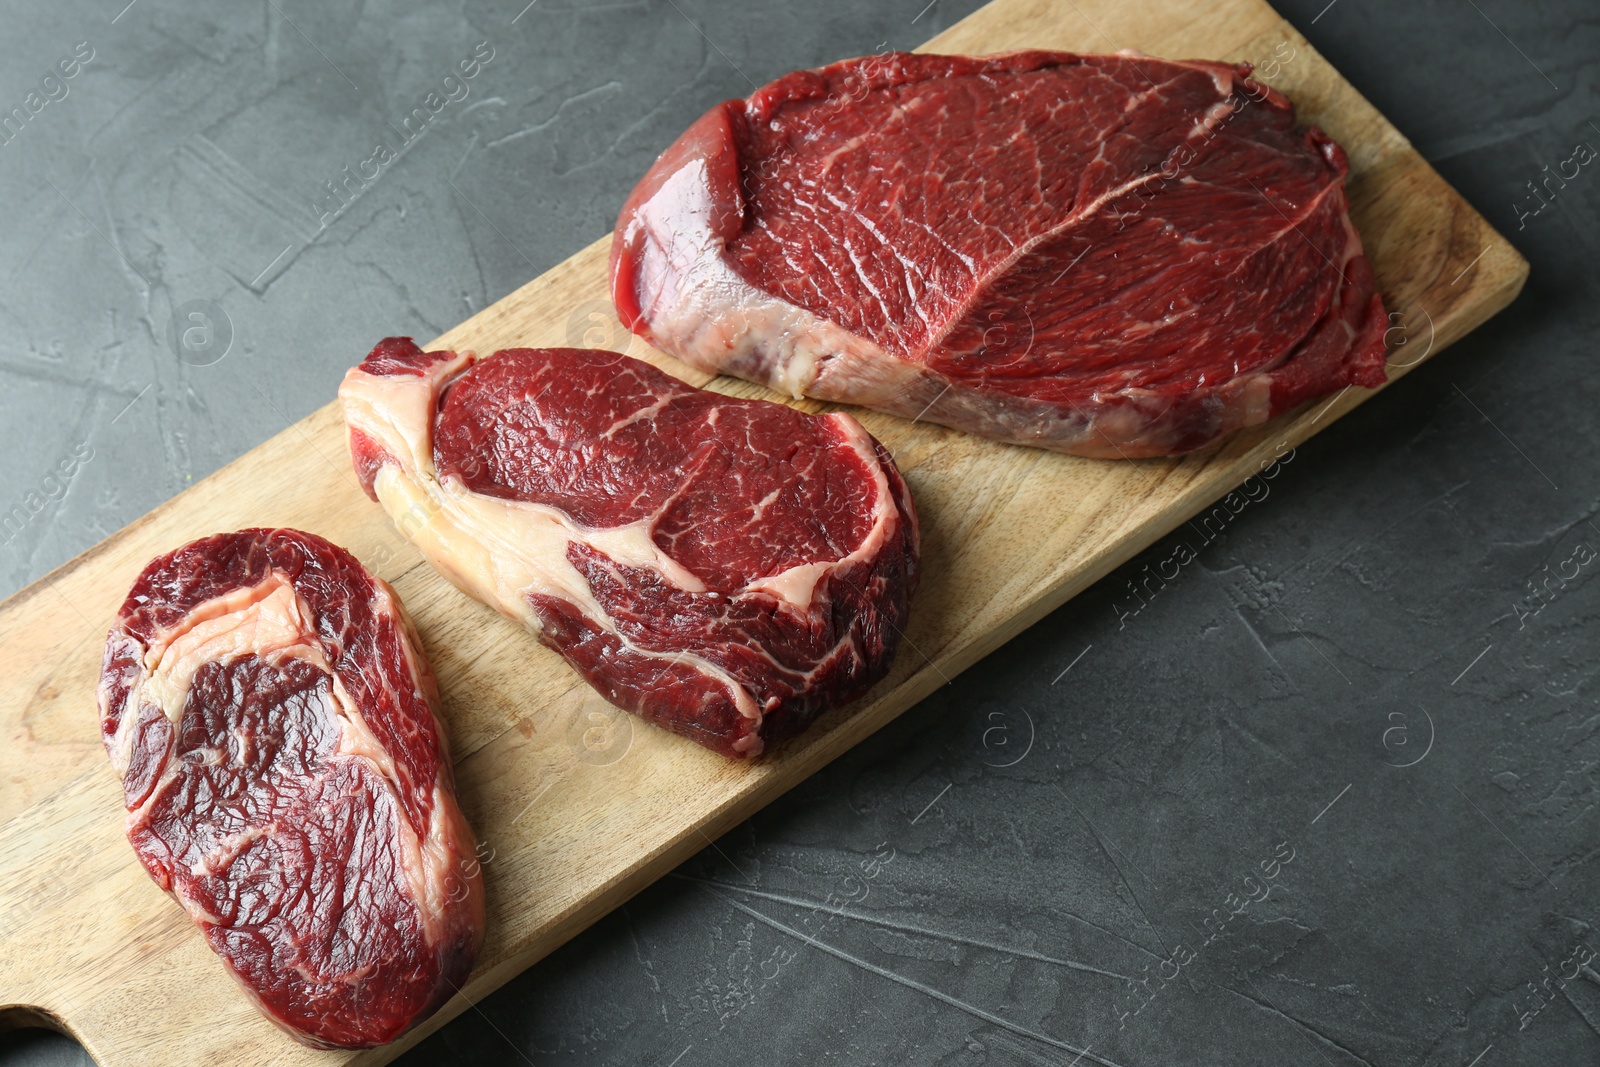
727 569
1108 255
273 721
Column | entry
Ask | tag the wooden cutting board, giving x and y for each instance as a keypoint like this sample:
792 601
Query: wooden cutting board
582 807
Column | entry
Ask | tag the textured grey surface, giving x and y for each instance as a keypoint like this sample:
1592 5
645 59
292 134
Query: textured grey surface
919 902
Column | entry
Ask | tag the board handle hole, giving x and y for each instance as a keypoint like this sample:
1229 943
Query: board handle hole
32 1035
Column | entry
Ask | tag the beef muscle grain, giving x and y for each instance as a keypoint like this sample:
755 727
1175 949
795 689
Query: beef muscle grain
1111 255
728 569
269 711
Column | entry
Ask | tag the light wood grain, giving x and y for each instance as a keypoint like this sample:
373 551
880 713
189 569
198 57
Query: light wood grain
91 944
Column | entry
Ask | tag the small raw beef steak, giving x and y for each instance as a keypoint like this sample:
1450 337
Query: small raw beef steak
1106 255
727 569
269 711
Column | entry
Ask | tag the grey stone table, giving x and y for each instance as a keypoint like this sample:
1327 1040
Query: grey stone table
1377 687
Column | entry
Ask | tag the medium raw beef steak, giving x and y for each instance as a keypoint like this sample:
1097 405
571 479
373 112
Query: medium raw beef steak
728 569
1111 255
268 709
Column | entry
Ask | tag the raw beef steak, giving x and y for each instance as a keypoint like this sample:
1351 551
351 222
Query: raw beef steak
269 711
1107 255
728 569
